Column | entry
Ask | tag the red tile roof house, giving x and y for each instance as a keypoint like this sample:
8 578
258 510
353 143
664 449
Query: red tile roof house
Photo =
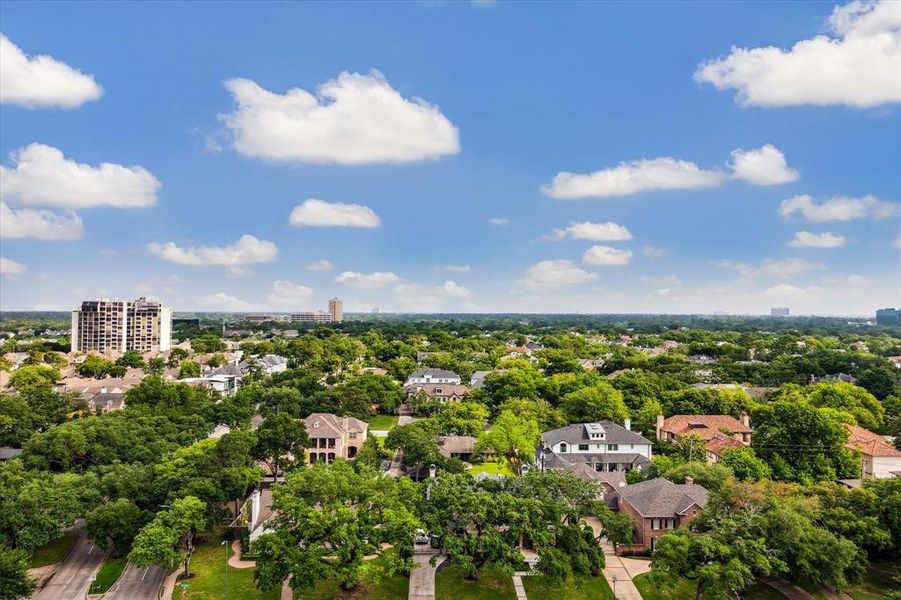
720 431
879 459
656 506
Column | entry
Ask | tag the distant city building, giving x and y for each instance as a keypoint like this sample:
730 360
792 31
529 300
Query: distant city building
259 318
782 311
336 310
888 317
106 326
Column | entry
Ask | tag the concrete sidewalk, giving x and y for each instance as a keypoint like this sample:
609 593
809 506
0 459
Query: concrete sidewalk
620 568
422 577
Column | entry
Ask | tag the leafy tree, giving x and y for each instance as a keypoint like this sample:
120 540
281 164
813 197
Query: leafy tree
328 517
27 378
155 366
206 343
803 443
547 416
461 418
508 383
15 582
377 389
688 448
176 355
418 441
188 369
618 528
116 522
372 453
280 435
169 537
131 359
216 360
598 402
856 401
512 437
881 381
95 366
744 464
710 475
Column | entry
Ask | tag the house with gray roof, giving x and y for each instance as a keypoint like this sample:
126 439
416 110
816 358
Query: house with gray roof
421 376
656 506
603 446
478 379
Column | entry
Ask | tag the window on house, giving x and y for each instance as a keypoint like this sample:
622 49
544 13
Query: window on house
655 524
612 447
583 447
670 523
562 447
352 435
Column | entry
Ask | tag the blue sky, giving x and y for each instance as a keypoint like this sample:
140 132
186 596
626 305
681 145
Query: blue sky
450 115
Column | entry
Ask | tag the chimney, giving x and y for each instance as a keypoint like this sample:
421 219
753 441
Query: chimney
627 423
689 480
103 390
659 427
745 420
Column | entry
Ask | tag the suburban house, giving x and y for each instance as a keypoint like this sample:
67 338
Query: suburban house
879 459
254 515
656 506
603 446
478 379
442 392
107 399
718 444
334 437
268 365
591 364
704 426
457 446
422 376
227 385
834 378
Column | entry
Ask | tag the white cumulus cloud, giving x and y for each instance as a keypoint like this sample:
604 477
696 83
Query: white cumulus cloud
42 175
499 221
605 256
374 280
763 166
353 119
455 268
452 288
39 224
42 81
837 209
288 293
597 232
319 213
859 65
221 301
631 178
247 250
10 269
320 265
556 273
806 239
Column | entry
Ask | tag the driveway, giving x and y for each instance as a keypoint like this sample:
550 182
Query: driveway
422 577
72 578
619 568
138 584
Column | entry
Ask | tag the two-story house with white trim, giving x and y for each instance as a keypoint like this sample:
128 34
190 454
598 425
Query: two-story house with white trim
603 446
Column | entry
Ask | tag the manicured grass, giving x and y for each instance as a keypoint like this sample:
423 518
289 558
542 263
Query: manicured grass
208 574
450 584
108 574
52 552
492 468
592 588
876 583
376 585
761 591
383 422
683 590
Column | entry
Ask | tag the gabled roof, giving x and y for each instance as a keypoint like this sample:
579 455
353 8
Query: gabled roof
433 373
576 434
869 443
431 389
456 444
705 426
718 443
662 498
319 423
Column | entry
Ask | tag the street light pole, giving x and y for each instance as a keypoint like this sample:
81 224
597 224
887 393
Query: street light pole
225 543
613 579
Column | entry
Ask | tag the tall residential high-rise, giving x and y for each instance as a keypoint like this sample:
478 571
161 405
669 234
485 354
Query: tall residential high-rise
336 310
106 326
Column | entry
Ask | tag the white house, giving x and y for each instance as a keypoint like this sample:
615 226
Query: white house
421 376
603 446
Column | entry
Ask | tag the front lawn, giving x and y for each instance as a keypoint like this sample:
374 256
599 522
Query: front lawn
876 583
52 552
450 584
383 423
108 574
491 468
592 588
207 580
375 585
683 590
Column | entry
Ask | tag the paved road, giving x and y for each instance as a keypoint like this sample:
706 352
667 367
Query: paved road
422 577
137 584
73 577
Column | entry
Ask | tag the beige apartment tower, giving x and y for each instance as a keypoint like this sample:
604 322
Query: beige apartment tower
116 326
336 310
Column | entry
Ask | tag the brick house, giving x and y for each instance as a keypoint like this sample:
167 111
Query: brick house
720 431
656 506
334 437
442 392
